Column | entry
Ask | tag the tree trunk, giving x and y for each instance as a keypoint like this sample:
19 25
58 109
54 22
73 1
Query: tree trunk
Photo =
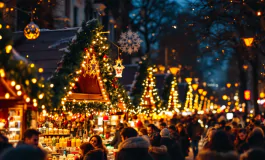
254 64
242 80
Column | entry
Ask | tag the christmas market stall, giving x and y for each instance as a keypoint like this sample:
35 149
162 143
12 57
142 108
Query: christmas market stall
88 97
21 91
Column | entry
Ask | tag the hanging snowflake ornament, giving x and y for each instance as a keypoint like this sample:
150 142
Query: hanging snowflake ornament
130 42
118 68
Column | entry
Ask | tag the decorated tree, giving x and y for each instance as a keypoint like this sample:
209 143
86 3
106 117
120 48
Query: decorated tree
189 95
170 91
84 79
150 101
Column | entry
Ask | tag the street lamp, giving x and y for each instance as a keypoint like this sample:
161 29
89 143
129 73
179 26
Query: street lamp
195 86
225 97
174 70
248 41
200 91
228 85
245 67
188 80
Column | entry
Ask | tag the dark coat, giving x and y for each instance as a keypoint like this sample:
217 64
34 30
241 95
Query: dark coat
173 148
134 148
116 140
159 153
195 131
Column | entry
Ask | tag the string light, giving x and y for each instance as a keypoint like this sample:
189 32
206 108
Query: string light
173 102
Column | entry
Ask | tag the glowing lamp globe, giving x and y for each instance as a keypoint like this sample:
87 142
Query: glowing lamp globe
32 31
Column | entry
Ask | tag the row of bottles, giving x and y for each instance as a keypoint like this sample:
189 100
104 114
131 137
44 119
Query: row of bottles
62 142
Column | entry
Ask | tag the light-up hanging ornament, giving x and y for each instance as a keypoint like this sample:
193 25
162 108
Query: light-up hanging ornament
32 31
130 42
118 68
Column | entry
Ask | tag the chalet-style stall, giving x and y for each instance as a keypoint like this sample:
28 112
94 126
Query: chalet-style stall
16 111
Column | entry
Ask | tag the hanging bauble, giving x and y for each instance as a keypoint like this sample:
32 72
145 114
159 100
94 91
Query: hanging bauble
118 67
32 31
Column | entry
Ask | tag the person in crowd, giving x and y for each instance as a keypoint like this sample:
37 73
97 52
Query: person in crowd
3 138
241 141
84 149
132 147
117 137
183 139
97 143
256 138
208 137
221 142
173 148
173 133
30 137
153 134
162 125
212 155
4 146
222 125
143 133
97 154
195 131
253 154
228 130
24 152
139 125
174 120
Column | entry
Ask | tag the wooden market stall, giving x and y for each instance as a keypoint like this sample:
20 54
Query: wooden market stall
16 113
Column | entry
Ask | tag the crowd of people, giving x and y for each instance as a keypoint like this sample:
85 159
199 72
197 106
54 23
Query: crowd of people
210 137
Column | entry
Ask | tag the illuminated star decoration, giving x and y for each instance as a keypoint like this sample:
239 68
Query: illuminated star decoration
118 67
130 42
93 66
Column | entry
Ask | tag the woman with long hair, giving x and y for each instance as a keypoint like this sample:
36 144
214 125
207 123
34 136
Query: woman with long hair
97 143
84 149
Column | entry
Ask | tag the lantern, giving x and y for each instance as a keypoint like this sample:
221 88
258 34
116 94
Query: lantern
247 95
118 67
32 31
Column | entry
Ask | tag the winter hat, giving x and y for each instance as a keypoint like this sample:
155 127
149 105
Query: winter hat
165 132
